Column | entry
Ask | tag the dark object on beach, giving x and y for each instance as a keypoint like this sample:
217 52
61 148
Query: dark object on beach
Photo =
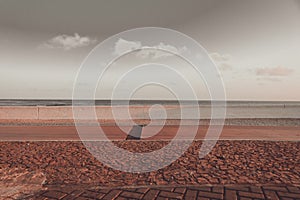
135 133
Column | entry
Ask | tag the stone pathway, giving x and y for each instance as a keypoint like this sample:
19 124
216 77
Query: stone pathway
229 162
231 192
233 169
48 132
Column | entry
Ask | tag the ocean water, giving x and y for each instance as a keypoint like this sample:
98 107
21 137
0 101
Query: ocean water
234 109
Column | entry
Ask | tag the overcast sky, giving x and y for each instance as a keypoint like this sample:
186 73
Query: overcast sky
255 43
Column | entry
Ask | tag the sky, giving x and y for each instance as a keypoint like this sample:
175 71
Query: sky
254 43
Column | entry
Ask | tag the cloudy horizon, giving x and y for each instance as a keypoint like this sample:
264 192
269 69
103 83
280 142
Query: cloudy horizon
255 44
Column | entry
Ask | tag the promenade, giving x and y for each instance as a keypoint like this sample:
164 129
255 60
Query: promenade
45 159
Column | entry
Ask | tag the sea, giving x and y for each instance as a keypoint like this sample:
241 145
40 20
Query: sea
234 109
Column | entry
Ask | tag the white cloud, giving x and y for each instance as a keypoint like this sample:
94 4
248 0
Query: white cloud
275 71
68 42
222 61
225 66
220 58
123 46
161 50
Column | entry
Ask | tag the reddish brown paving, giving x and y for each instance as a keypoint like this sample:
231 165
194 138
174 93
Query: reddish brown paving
16 182
231 192
17 133
234 133
229 162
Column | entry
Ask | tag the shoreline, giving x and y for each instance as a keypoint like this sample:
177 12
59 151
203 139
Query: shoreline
68 102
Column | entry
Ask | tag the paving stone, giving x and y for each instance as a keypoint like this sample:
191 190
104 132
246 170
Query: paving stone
256 189
83 198
245 198
239 188
203 198
131 195
158 192
271 195
276 188
173 195
251 195
217 189
121 198
180 190
231 194
191 194
54 194
289 195
210 195
162 198
72 195
151 194
112 194
286 198
293 189
90 194
142 190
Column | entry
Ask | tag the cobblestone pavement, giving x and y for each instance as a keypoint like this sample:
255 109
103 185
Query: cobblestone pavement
229 162
230 192
235 163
